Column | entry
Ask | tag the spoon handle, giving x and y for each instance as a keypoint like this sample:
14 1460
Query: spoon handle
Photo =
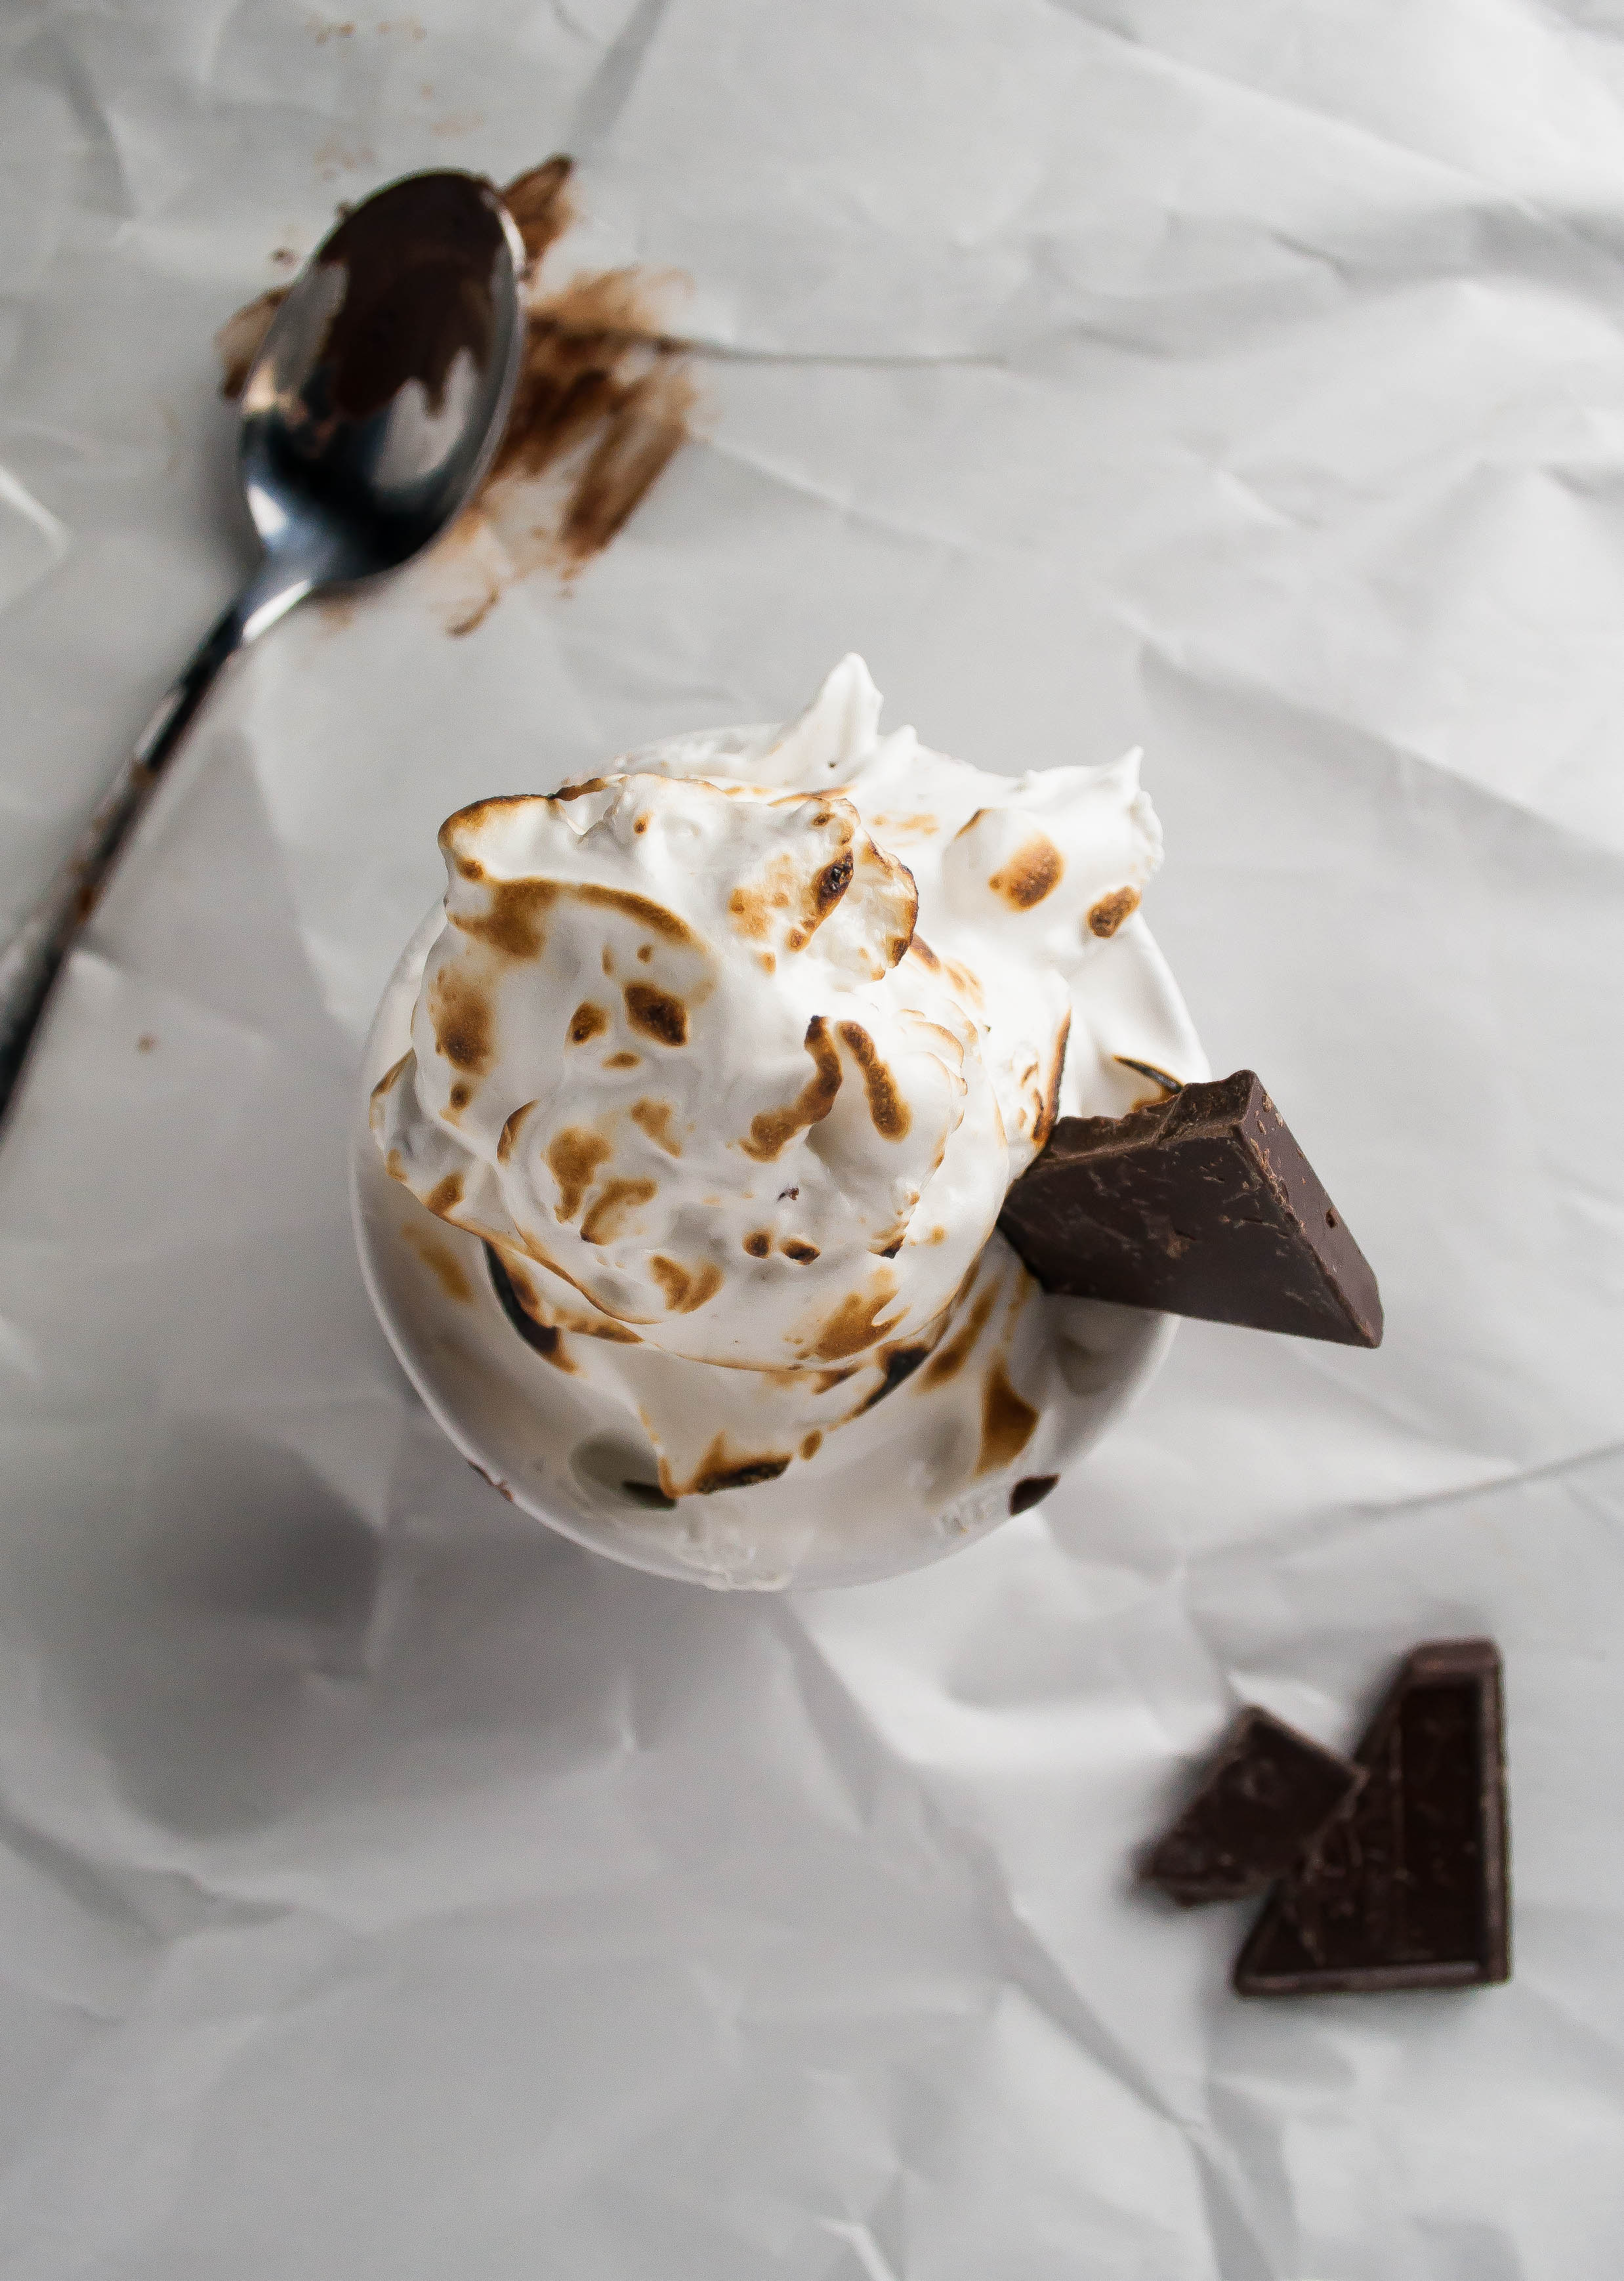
32 960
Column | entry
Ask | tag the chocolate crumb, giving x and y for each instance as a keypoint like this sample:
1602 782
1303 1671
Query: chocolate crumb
1266 1795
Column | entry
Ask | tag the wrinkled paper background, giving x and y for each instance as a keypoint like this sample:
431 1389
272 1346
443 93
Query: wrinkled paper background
390 1888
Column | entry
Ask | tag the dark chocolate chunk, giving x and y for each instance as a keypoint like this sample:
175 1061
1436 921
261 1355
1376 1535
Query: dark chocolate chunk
1268 1793
1202 1205
1407 1887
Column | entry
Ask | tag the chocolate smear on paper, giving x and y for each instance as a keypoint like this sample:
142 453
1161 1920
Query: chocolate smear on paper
605 401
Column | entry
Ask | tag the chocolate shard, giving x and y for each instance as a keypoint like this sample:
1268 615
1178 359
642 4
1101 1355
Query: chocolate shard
1202 1205
1407 1887
1265 1797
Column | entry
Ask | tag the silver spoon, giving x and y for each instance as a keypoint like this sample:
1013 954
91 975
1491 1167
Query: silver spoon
368 418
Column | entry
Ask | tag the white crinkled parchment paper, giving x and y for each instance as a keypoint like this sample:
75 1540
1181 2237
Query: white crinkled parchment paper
388 1888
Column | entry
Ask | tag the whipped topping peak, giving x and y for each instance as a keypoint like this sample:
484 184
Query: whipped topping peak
745 1041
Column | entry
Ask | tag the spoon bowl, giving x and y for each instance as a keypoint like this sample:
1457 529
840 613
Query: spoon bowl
369 418
375 404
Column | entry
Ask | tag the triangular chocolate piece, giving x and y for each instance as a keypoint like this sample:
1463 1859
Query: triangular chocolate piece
1203 1205
1264 1797
1407 1887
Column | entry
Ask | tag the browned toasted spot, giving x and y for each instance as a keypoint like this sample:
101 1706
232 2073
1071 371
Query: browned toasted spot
394 1164
722 1468
533 1248
1108 914
547 1340
613 1208
445 1195
685 1288
1032 1491
758 1243
887 1109
748 908
1051 1091
386 1083
656 1013
812 1444
523 1305
925 955
639 908
768 962
855 1323
802 1254
901 1364
510 1133
1030 873
641 826
552 1319
519 1303
1007 1421
773 1128
1163 1079
441 1261
963 979
587 1021
529 1297
827 1380
635 905
622 1060
599 1327
948 1360
609 960
575 1155
549 1343
513 919
460 1013
645 951
655 1117
830 885
469 867
463 823
462 1093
